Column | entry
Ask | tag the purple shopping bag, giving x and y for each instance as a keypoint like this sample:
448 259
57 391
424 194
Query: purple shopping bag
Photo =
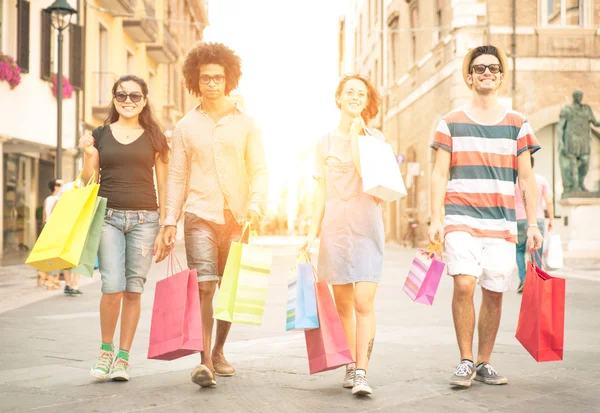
425 274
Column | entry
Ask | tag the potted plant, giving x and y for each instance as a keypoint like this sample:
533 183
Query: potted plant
67 91
9 70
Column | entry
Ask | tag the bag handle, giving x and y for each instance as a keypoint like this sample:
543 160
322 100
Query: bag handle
80 179
432 248
171 263
532 258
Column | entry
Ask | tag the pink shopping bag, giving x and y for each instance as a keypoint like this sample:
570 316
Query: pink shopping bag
424 276
326 346
176 327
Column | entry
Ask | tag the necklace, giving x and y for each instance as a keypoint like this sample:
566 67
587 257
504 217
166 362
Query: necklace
128 132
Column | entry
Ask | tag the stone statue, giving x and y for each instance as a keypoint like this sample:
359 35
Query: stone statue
574 135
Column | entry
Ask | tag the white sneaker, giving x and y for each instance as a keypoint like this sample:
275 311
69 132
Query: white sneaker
349 379
361 387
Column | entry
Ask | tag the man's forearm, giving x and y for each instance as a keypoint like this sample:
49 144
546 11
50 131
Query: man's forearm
528 188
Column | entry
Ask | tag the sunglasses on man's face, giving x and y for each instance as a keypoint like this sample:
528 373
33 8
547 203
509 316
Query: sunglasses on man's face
480 69
134 96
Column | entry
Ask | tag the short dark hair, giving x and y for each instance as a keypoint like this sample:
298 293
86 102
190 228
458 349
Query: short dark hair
532 162
211 53
487 49
52 184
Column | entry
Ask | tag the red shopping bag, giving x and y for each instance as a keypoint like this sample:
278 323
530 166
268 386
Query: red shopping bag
326 346
176 327
541 324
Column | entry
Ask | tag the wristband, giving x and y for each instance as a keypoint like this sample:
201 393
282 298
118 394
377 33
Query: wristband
533 225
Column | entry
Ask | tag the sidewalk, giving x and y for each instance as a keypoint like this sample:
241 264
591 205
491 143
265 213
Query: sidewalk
50 345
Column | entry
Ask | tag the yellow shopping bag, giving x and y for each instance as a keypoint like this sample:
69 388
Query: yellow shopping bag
61 242
245 283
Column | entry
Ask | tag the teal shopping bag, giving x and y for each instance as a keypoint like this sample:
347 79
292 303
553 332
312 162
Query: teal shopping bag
302 300
87 263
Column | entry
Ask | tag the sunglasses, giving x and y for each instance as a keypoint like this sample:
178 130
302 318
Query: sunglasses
363 77
206 79
480 69
134 96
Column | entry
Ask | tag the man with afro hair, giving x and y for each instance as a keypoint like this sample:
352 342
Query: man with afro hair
219 176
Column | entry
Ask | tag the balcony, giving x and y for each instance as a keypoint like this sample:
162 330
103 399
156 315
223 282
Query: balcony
143 29
102 93
165 50
120 6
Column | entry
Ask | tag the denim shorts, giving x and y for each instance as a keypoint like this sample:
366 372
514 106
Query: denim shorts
126 246
207 244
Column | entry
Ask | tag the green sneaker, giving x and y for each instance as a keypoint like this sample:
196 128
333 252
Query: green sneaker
120 370
101 369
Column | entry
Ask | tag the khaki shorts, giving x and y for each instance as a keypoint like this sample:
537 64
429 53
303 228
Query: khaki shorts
491 260
207 244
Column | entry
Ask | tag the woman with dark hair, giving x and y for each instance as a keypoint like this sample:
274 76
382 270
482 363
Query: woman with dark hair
121 155
351 224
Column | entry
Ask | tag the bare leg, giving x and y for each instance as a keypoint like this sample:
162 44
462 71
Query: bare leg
130 316
489 321
364 298
75 280
68 279
110 306
463 312
207 290
223 328
344 304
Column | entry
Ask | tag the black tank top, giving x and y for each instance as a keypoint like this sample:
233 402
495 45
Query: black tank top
126 174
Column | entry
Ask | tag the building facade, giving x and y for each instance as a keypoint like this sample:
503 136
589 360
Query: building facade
28 118
553 48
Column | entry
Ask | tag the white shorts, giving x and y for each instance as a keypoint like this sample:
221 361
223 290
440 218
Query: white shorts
491 260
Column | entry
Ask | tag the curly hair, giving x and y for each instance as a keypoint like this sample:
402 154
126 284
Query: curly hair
211 53
373 98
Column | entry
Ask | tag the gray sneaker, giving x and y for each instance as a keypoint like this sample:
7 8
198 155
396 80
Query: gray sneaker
487 375
361 387
350 375
463 376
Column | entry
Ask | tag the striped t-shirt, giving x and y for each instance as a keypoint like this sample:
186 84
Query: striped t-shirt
480 196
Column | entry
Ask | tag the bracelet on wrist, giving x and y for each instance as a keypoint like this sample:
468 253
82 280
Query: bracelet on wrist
533 225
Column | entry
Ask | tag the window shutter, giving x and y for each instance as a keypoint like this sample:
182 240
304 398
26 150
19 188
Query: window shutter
46 46
23 36
75 55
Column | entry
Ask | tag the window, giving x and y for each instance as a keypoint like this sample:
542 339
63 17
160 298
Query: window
437 34
562 12
23 35
76 55
414 16
46 46
105 79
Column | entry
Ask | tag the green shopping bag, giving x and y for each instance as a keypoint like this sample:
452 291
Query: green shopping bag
92 241
244 285
61 242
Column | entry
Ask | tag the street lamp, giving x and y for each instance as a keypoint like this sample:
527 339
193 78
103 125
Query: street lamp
61 13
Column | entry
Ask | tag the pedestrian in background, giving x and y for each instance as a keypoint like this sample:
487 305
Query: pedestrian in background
71 279
350 223
544 196
123 154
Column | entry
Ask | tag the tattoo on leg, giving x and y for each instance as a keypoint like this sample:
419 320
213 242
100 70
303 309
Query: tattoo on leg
524 198
370 350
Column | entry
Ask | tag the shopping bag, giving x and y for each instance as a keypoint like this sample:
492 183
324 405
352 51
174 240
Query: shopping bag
87 262
552 252
176 326
252 285
379 169
61 242
425 274
541 323
243 289
326 346
302 300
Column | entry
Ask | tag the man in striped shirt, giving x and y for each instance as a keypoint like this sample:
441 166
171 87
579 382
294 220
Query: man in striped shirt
481 150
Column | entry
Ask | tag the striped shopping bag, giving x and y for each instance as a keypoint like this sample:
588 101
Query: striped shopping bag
252 285
425 274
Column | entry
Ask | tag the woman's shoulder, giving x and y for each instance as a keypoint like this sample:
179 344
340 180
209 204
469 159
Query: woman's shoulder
99 131
376 133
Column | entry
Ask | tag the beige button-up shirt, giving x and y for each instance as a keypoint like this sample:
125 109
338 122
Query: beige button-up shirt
215 166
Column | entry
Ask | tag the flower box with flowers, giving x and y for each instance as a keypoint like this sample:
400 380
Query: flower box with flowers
67 89
9 71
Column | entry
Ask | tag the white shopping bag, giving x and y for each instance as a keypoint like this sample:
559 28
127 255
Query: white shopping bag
380 171
552 252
